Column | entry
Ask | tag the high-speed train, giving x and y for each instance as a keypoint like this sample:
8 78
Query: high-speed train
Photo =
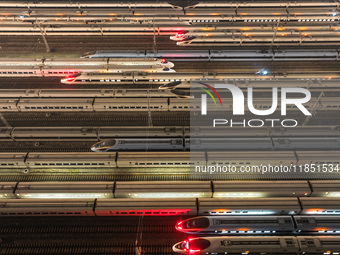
292 245
256 38
140 144
220 55
169 76
219 143
72 66
260 225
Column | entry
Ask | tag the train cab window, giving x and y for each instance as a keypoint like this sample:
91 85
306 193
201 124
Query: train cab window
198 244
197 223
106 144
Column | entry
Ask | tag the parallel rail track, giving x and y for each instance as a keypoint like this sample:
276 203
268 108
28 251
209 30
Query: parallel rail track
89 236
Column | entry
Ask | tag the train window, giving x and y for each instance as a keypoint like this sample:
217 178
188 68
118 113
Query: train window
197 223
198 244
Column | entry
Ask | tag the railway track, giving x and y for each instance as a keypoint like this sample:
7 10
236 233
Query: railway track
75 176
163 175
54 119
15 45
45 146
82 235
97 118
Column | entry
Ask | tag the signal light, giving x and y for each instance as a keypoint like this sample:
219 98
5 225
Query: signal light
263 72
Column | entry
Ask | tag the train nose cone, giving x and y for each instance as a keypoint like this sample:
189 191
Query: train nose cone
179 225
170 85
93 148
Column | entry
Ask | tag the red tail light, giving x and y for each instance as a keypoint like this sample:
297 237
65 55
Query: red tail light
70 78
179 225
163 60
178 35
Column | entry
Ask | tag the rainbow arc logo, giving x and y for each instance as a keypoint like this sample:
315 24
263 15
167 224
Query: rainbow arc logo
209 93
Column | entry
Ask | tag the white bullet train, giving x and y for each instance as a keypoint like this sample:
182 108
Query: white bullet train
269 245
261 225
152 144
70 66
